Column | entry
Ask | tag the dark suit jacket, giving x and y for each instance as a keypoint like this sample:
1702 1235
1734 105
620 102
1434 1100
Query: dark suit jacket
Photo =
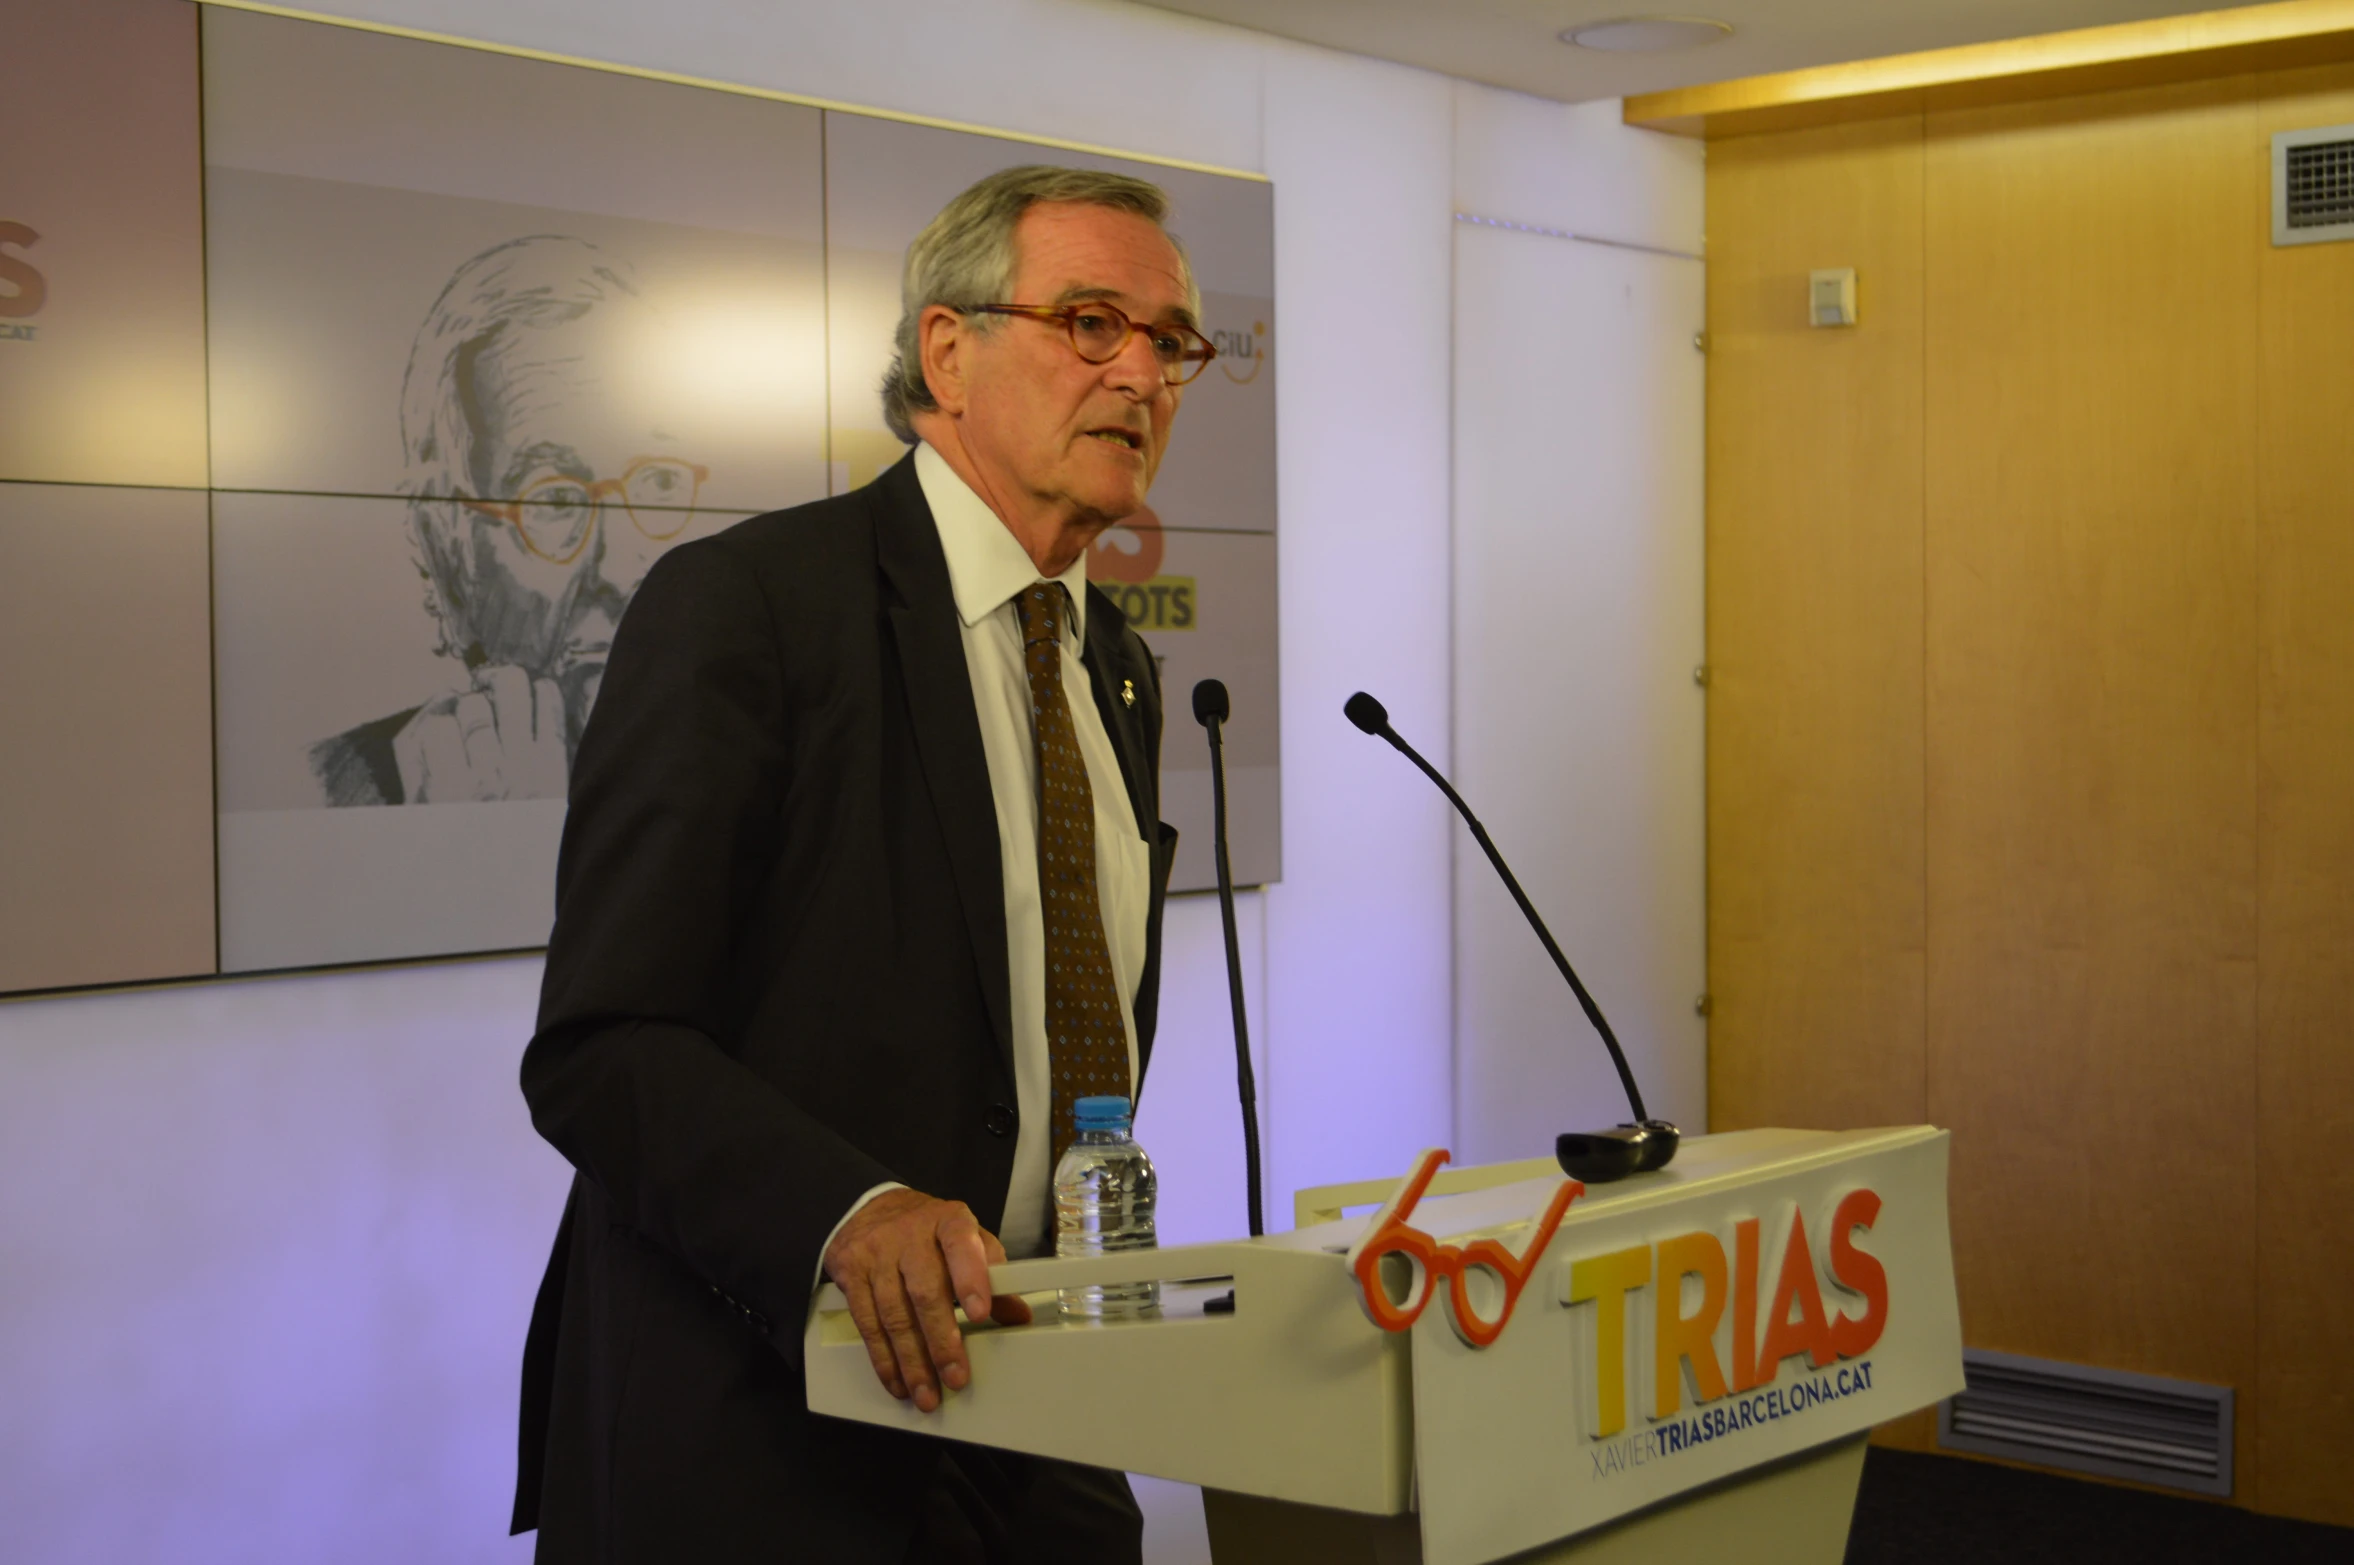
777 978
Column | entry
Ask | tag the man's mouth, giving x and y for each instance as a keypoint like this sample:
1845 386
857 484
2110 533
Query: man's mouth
1119 437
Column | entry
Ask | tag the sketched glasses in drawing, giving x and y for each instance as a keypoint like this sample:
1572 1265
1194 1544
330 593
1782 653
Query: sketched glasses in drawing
555 515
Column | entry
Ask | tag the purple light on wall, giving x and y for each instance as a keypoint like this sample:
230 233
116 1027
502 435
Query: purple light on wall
1359 939
270 1248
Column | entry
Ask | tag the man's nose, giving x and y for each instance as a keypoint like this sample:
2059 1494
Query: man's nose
1135 368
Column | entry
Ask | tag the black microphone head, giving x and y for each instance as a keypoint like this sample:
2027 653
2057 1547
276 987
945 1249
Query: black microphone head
1209 702
1600 1157
1366 713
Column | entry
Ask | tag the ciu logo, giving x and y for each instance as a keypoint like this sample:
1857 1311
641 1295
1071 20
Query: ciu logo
1241 354
23 290
1398 1269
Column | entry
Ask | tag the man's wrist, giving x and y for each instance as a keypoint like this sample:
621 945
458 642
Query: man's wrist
856 1207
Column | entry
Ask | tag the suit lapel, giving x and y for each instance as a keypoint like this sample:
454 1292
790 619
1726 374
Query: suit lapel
1113 681
947 730
1113 668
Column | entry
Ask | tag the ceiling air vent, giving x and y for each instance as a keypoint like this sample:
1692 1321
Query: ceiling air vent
2313 185
2175 1433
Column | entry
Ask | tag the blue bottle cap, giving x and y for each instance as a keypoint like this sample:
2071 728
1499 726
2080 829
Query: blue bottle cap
1105 1113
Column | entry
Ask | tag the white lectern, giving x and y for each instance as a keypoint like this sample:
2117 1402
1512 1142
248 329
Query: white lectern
1692 1365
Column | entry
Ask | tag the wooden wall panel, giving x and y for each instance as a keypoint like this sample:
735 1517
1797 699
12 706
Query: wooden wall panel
1814 632
2091 610
2305 853
2135 882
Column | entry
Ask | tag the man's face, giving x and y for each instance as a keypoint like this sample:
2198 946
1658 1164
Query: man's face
551 418
1066 433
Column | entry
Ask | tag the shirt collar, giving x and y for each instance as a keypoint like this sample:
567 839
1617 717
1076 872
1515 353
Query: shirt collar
987 566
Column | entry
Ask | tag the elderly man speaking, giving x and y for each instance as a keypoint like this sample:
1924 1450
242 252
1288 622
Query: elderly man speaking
860 889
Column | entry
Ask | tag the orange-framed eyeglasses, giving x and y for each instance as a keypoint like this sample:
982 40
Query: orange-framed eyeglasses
1100 332
554 517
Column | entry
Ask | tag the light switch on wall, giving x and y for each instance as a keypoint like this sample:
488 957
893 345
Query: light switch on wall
1831 297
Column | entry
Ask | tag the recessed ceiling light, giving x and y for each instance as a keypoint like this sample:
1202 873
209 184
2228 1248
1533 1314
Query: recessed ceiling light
1647 34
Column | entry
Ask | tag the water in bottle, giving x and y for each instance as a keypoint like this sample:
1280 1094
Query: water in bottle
1103 1196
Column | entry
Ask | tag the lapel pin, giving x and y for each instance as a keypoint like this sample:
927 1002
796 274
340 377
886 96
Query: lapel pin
1128 691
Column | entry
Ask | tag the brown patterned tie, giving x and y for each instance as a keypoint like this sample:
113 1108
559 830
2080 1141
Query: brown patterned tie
1086 1043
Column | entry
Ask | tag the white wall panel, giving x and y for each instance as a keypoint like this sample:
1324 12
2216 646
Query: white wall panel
1578 728
1358 989
1576 167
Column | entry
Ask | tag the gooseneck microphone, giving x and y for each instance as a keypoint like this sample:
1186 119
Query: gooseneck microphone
1600 1156
1210 709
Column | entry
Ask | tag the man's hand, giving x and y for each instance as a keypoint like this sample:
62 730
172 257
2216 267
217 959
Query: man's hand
905 1261
504 739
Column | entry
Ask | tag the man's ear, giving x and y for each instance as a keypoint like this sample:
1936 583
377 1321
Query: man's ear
943 342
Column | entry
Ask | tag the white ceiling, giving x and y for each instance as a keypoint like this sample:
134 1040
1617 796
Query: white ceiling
1515 43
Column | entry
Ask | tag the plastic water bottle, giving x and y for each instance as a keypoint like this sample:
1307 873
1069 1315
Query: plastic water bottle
1103 1197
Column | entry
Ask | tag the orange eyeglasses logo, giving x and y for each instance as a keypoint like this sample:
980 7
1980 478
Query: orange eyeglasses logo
1427 1261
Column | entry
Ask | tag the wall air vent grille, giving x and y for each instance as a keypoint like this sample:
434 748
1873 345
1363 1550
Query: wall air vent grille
2175 1433
2313 185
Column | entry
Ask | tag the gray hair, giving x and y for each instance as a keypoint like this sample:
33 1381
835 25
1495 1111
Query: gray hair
482 316
965 256
533 283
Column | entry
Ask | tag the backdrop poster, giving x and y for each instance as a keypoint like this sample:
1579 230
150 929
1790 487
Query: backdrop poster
106 796
1196 571
487 336
101 245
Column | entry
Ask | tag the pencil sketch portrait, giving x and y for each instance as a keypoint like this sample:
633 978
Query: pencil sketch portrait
541 485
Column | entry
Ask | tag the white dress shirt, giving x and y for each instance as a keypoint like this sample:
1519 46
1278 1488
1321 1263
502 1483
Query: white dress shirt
987 569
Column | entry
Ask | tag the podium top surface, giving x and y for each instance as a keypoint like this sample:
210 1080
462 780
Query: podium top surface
1469 1201
1491 1199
